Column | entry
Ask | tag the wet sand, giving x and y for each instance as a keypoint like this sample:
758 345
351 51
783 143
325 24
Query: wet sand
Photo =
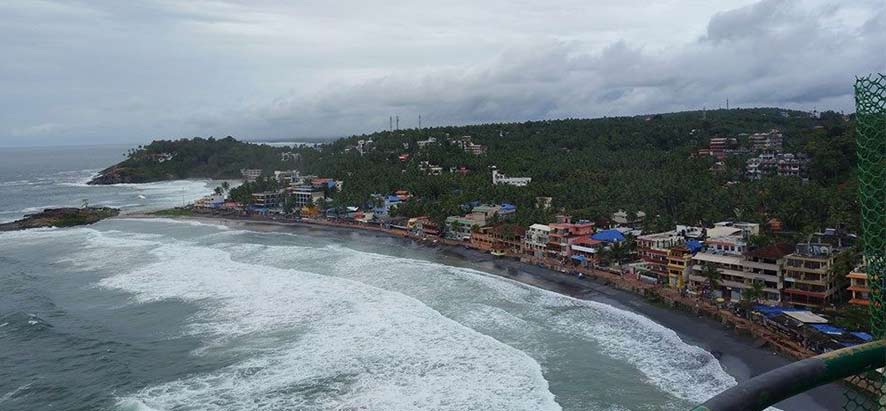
739 355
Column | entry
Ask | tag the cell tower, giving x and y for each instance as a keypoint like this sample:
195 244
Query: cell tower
398 122
391 123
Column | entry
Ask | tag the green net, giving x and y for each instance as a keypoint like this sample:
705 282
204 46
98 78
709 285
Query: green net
870 107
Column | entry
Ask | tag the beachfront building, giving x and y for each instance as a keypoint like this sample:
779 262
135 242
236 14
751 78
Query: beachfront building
460 228
586 250
267 199
564 233
679 258
423 227
214 201
499 178
653 249
482 239
808 276
536 240
859 287
383 204
766 265
508 238
306 196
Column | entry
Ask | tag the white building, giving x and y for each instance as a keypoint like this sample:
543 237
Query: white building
499 178
535 241
251 174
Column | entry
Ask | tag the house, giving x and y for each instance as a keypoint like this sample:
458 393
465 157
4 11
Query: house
535 242
508 238
585 250
679 266
384 204
423 227
425 143
430 169
611 236
482 239
251 174
210 202
499 178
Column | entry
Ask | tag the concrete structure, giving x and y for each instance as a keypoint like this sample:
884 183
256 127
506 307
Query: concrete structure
499 178
536 240
808 278
653 250
251 174
267 199
622 218
780 164
859 287
678 266
306 195
287 177
564 233
461 228
766 141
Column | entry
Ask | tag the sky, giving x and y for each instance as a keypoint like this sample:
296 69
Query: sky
110 71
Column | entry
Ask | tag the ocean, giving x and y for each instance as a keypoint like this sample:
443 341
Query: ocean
163 314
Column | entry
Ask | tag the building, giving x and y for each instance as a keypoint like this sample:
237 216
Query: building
808 276
466 143
859 287
585 250
780 164
306 196
382 205
678 266
425 143
653 250
482 239
423 227
508 238
287 177
461 228
622 218
499 178
535 242
210 202
267 199
430 169
767 141
564 233
251 174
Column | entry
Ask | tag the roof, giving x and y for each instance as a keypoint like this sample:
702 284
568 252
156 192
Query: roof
720 232
540 227
770 311
717 258
611 236
863 335
806 317
828 329
773 251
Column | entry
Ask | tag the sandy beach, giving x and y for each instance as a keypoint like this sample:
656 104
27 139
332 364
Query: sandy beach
740 356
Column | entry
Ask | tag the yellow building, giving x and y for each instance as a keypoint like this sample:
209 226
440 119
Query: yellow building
678 266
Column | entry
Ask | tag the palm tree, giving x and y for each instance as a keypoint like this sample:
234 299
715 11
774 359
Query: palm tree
752 295
225 186
712 276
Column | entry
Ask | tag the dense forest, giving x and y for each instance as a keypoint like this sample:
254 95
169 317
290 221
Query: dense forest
590 168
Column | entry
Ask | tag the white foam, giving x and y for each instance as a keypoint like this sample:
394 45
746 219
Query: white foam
325 342
183 221
685 371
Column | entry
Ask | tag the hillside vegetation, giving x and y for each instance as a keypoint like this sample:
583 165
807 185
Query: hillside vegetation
591 168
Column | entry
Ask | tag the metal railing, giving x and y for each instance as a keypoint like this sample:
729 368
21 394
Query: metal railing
767 389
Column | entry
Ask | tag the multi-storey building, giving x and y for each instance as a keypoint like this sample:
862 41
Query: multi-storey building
536 240
251 174
653 250
564 233
266 199
781 164
768 141
499 178
809 279
859 287
306 195
678 266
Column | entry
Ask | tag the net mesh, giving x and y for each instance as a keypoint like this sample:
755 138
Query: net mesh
870 108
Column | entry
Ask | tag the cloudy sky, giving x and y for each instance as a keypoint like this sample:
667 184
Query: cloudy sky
75 72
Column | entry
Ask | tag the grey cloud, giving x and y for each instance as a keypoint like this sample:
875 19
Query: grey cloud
108 71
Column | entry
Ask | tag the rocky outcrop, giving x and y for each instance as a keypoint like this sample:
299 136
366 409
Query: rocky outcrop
61 217
115 175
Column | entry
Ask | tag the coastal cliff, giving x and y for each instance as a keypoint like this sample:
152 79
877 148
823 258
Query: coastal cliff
61 217
164 160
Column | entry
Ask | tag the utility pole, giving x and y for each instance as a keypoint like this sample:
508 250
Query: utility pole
727 104
419 121
398 122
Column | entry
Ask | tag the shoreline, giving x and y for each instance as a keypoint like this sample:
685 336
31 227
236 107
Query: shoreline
741 356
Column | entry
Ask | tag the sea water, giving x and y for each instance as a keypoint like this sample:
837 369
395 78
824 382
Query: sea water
141 314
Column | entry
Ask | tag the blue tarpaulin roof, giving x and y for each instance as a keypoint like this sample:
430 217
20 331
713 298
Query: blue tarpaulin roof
829 329
508 206
579 258
612 236
863 335
773 311
694 245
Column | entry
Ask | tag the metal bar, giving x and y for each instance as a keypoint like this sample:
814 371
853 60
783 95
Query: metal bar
764 390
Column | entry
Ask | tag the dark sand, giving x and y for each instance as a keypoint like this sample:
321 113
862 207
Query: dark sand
740 356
